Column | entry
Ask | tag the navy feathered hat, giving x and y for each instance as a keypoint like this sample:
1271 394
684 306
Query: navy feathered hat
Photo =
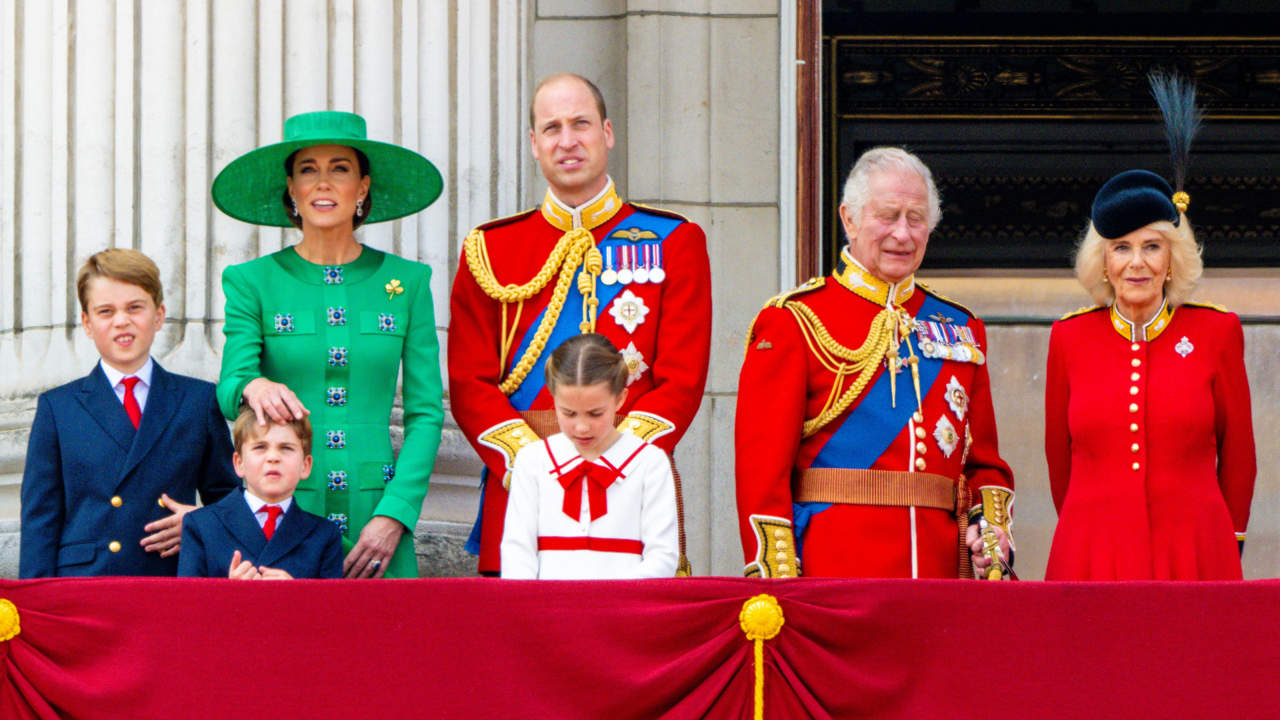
1137 198
1131 200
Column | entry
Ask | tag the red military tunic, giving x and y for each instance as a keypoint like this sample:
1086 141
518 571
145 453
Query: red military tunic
1149 439
662 328
949 432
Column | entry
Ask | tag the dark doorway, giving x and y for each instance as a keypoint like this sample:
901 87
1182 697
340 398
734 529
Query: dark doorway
1023 108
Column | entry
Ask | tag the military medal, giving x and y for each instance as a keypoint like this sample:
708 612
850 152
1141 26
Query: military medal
628 310
624 275
657 274
642 267
635 363
609 276
1184 347
945 341
957 398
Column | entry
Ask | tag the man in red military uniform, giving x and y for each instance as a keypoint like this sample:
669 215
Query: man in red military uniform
865 439
585 261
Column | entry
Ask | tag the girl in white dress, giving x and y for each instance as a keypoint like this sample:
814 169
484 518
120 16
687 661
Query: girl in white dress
590 502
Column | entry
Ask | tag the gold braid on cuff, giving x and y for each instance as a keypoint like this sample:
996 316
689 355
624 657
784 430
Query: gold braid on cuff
775 548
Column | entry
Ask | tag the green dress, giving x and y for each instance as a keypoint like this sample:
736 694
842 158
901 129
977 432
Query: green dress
337 336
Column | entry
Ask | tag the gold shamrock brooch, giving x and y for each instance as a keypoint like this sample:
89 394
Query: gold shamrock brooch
393 288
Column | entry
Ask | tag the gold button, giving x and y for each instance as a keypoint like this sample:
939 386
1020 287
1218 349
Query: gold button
1134 347
117 501
1133 427
783 569
921 447
160 501
1134 377
1136 466
781 557
1133 390
779 534
1134 447
917 416
1136 362
919 463
114 546
1133 407
920 432
781 545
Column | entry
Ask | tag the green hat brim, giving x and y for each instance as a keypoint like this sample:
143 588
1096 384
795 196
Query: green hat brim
250 187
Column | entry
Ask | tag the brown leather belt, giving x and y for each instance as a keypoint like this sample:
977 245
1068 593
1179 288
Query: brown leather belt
874 487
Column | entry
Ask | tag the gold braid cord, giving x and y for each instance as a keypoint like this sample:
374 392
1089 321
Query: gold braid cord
567 255
888 329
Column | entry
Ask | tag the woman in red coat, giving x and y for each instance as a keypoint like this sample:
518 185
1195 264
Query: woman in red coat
1148 430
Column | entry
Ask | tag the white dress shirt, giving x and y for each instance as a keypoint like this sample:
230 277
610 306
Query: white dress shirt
257 505
115 378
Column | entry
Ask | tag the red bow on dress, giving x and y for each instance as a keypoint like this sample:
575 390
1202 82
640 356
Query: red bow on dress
598 477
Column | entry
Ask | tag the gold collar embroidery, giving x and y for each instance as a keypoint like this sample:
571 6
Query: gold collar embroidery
1148 332
857 280
590 215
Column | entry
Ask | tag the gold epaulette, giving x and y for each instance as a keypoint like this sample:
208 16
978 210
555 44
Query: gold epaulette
1081 311
780 300
659 211
1209 305
506 220
946 299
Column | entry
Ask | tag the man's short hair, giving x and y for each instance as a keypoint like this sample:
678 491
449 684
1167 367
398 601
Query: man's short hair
123 265
595 93
246 428
880 159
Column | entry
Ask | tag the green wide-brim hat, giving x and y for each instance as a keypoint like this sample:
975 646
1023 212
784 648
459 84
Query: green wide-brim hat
250 187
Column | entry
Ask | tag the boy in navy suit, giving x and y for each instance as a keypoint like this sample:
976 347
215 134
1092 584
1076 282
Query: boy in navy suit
115 458
262 534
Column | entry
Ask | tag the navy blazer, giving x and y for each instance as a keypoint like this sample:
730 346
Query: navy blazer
91 481
303 545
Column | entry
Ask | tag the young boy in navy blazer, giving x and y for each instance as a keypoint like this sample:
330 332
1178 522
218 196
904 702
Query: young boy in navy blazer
115 458
261 533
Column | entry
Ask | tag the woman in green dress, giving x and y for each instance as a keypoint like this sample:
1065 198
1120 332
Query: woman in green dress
324 327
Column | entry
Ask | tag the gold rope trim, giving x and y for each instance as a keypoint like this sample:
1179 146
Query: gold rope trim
568 254
761 619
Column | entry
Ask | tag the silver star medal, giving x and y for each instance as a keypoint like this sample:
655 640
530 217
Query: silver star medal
635 363
1184 347
609 276
624 275
957 398
642 266
946 436
628 310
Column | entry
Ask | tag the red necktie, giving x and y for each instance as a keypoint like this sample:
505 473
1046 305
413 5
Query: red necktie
598 479
269 527
131 403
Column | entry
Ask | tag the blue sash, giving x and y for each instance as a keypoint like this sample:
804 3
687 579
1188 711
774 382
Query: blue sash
873 424
567 325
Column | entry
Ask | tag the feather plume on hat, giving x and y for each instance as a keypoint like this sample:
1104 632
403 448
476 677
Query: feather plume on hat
1176 96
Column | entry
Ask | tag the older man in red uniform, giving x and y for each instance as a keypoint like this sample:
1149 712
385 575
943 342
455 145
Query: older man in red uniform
866 441
585 261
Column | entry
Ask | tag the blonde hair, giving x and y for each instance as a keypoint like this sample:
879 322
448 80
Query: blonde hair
584 360
1185 264
123 265
246 428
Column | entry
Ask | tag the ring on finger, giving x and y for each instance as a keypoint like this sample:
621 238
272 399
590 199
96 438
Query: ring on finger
375 565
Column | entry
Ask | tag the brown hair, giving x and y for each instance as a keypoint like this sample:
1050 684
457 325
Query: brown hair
123 265
356 220
595 93
246 428
586 360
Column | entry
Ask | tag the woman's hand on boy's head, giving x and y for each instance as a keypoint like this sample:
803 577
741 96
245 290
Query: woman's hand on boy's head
166 533
274 400
242 569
